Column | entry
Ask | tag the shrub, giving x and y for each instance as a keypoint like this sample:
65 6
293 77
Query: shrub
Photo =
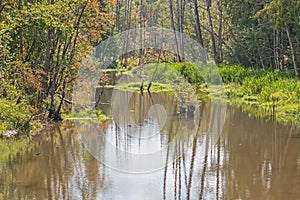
188 71
13 116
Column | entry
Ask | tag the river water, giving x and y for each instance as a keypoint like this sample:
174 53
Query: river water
148 150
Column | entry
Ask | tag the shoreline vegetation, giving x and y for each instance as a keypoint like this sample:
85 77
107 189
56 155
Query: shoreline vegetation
43 44
266 94
263 93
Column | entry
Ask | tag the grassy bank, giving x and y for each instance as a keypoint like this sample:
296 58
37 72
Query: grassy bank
264 93
87 113
17 118
267 94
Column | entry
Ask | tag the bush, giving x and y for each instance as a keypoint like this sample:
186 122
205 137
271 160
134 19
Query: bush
13 116
266 88
188 71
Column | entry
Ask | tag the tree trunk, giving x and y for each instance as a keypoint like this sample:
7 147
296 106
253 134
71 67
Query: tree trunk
1 6
293 51
180 20
173 27
141 33
220 38
199 37
281 51
20 34
128 27
210 25
182 9
178 16
46 70
257 47
47 64
72 55
118 7
276 53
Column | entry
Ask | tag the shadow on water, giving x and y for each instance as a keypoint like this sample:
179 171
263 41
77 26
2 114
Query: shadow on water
251 159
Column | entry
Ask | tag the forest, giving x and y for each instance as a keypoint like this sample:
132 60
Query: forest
255 44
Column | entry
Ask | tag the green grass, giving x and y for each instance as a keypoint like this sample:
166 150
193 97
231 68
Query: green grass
155 87
265 93
261 92
87 113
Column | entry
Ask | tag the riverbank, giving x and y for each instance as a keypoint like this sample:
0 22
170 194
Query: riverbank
267 94
19 118
13 117
264 93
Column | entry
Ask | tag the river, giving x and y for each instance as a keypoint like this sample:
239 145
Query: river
201 156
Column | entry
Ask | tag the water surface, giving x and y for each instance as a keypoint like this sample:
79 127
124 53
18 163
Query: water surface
246 158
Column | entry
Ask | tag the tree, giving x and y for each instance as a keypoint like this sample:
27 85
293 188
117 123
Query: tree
283 14
46 42
197 23
211 30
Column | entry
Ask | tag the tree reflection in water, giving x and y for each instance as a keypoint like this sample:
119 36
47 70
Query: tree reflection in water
251 159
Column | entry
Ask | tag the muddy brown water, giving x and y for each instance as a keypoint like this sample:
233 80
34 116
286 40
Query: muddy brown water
238 158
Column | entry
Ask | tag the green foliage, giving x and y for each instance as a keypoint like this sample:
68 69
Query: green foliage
155 87
177 79
267 90
87 113
280 11
188 71
42 44
13 116
256 32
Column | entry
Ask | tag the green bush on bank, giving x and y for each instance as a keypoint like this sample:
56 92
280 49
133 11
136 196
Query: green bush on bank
270 90
238 74
267 85
13 116
261 91
188 71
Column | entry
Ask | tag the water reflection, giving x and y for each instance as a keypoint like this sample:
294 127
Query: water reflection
252 159
144 132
